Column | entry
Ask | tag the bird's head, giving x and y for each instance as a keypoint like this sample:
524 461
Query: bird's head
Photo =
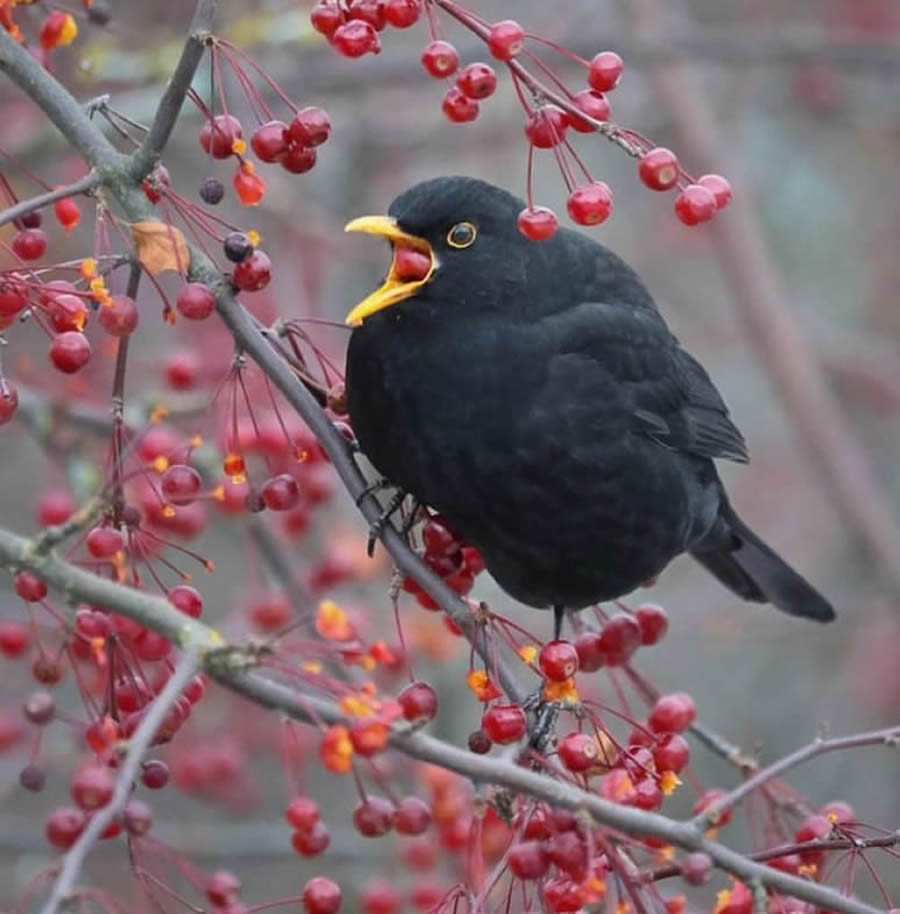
454 240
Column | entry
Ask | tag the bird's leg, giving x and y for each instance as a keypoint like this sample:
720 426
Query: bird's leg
376 528
559 614
546 713
377 486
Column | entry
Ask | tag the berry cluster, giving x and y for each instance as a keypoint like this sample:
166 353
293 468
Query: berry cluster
551 108
446 554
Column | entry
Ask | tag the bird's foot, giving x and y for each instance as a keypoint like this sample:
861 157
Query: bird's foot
376 528
378 485
542 733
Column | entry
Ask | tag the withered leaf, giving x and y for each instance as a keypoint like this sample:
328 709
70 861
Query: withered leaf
160 246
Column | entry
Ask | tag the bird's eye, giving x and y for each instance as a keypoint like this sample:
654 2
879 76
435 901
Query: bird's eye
461 235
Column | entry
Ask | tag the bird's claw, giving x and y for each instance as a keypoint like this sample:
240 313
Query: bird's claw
376 528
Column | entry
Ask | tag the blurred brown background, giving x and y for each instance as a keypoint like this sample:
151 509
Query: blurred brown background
801 101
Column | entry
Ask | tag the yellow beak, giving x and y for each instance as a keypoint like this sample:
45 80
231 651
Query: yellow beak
393 289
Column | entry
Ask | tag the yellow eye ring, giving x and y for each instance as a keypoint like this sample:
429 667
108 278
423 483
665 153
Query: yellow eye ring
462 235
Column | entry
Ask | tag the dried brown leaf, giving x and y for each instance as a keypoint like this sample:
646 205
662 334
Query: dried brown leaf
160 246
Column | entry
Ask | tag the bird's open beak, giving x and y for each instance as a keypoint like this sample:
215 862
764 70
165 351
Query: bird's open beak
409 269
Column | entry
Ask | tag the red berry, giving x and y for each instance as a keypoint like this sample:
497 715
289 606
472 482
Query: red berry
504 723
562 896
118 316
591 204
93 787
195 301
9 402
412 816
653 622
29 244
672 713
438 538
672 753
710 798
838 812
270 614
13 639
658 169
590 654
63 826
440 59
181 484
719 187
280 493
568 852
223 888
13 297
401 14
371 11
217 137
248 185
182 369
458 108
506 39
739 901
355 38
538 223
373 817
186 599
545 127
593 104
67 312
380 897
579 752
528 860
67 213
29 587
479 742
695 204
558 660
104 542
70 351
269 141
620 637
254 273
477 81
696 868
313 842
137 818
55 507
302 813
321 896
298 159
310 127
418 701
326 16
605 71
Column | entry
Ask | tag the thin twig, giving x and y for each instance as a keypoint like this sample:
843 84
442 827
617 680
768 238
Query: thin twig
82 186
173 98
887 736
156 614
137 747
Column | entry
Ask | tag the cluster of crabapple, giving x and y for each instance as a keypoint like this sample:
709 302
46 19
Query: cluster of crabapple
352 26
450 557
292 145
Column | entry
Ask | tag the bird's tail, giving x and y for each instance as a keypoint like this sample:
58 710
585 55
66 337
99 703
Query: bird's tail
754 571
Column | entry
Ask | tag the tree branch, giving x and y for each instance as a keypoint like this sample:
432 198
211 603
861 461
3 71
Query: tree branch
82 186
888 736
173 98
137 747
157 614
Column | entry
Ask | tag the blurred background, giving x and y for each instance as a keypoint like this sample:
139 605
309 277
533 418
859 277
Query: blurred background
790 300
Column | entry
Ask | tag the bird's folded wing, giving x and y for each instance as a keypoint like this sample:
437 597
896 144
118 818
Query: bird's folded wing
669 395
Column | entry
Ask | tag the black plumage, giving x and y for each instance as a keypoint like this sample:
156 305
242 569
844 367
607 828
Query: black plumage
532 393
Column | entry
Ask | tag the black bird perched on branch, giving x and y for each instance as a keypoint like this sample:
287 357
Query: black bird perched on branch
532 393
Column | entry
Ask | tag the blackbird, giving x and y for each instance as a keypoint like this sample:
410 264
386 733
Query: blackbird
532 393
